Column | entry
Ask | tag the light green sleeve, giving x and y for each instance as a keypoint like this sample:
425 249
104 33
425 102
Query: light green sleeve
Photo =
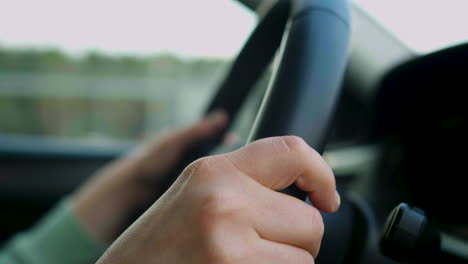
57 239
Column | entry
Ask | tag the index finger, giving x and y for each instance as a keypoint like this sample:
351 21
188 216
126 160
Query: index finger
278 162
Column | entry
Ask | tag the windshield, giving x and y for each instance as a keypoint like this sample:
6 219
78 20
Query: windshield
424 25
110 69
141 27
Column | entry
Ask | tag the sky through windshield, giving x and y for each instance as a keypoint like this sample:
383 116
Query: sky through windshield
187 28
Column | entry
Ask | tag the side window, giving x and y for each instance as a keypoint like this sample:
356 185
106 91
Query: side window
112 70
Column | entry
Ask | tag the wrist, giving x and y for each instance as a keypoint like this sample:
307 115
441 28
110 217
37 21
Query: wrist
111 200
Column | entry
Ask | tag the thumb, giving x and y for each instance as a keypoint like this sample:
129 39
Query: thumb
207 127
167 148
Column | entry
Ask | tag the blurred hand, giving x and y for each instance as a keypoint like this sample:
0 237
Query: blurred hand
109 201
225 209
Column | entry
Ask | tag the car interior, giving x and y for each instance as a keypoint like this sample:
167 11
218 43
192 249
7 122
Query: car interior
388 120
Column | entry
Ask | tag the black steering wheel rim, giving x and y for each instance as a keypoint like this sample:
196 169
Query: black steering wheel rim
311 40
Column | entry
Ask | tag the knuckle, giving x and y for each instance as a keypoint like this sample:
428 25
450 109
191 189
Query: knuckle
198 169
305 258
236 252
317 221
213 204
218 232
294 143
313 229
217 209
318 229
221 222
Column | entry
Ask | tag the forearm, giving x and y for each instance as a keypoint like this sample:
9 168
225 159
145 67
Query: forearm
109 202
58 238
120 192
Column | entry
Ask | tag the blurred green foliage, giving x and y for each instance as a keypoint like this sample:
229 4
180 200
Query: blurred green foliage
165 66
49 93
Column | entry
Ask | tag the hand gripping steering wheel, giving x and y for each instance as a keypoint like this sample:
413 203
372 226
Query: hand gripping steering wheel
310 39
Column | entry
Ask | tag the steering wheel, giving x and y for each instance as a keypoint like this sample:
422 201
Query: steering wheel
310 39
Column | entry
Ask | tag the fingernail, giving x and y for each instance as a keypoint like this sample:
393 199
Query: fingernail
215 117
338 200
